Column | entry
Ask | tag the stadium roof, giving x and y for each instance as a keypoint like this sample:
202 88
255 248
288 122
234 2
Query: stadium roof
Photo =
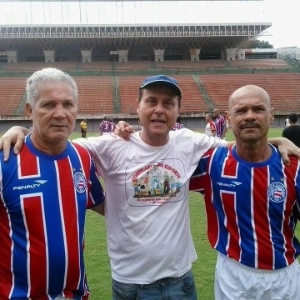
116 37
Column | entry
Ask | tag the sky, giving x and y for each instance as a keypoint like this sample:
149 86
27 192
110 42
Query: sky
282 14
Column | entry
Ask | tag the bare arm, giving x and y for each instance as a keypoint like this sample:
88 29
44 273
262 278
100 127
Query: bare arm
286 148
99 209
14 136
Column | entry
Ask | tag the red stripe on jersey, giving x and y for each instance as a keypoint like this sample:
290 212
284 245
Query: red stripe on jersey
33 212
230 166
86 163
28 167
5 254
233 247
69 208
265 259
290 172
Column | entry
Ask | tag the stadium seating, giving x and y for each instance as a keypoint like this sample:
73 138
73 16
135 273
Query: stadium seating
96 95
259 63
115 94
283 88
12 91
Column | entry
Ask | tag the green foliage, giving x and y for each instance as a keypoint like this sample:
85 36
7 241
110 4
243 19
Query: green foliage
253 44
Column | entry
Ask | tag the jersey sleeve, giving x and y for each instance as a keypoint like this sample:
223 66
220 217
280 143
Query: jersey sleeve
212 126
96 194
200 176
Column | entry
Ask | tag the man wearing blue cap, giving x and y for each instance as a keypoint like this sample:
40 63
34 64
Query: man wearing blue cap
147 183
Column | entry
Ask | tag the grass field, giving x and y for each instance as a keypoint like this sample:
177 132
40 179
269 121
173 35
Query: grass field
97 262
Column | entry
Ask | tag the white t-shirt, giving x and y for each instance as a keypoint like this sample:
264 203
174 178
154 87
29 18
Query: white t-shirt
210 127
146 206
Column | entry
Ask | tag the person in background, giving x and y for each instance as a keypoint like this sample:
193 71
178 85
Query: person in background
210 128
105 127
83 128
146 209
251 203
112 125
220 123
292 132
44 193
287 122
178 125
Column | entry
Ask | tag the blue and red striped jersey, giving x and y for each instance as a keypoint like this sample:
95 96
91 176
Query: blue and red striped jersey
43 204
220 123
250 206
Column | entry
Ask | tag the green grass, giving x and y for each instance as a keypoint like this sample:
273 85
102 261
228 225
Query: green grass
97 262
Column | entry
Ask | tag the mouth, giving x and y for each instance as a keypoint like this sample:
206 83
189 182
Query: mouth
158 121
250 126
58 126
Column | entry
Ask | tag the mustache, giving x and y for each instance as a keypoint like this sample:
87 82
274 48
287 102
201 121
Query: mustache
249 125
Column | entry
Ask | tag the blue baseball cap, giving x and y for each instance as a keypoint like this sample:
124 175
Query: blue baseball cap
162 80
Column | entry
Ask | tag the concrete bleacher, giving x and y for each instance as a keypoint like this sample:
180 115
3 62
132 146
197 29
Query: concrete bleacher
283 88
128 93
12 91
259 63
116 93
35 66
185 65
96 95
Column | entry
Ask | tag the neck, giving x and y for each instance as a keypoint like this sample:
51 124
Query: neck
154 140
50 148
253 152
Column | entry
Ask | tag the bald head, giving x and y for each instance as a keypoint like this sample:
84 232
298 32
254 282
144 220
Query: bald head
249 91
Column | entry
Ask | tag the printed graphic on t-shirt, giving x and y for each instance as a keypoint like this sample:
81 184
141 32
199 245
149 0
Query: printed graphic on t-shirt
157 183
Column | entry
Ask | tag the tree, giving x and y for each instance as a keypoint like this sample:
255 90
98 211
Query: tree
252 44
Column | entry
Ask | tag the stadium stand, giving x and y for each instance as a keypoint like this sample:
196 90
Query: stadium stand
11 95
109 62
117 94
283 88
96 95
259 64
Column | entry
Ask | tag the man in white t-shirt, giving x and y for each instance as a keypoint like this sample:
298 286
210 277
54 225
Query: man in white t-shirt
149 237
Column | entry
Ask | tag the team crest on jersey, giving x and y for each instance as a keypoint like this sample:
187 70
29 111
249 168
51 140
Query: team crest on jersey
80 182
277 192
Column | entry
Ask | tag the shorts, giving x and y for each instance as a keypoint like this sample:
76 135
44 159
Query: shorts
235 281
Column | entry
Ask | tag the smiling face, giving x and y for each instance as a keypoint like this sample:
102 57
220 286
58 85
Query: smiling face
158 110
53 115
250 114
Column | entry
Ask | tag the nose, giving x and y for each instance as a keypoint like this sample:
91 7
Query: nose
59 111
159 108
250 115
